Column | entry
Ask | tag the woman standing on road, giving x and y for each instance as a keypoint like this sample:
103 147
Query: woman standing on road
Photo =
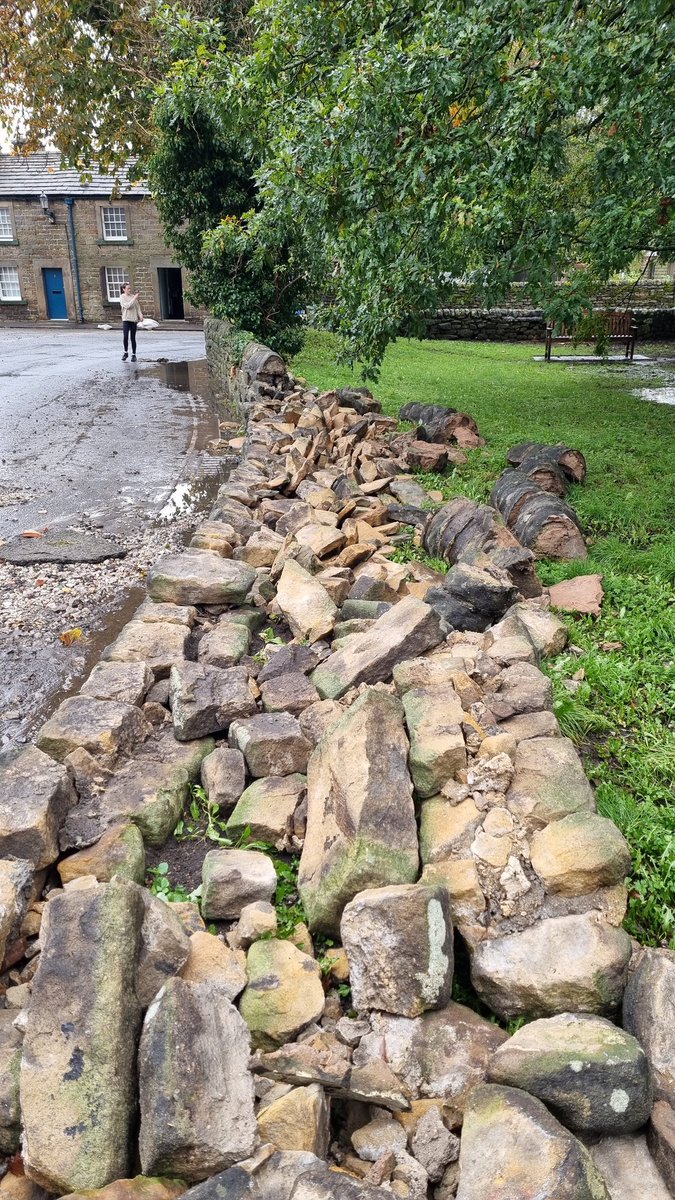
131 315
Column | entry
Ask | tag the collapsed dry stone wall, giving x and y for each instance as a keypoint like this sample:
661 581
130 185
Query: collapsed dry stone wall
418 771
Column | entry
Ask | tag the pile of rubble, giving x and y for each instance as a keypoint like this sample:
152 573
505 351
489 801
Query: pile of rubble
334 704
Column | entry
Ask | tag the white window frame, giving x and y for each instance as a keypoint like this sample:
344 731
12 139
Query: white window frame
10 283
113 286
6 226
120 218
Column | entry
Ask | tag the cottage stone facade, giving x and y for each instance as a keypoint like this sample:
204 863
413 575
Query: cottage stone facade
66 247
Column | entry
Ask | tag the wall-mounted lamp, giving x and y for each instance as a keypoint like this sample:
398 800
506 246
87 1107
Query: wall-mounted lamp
44 205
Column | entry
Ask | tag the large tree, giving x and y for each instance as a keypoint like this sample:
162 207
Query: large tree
416 141
397 145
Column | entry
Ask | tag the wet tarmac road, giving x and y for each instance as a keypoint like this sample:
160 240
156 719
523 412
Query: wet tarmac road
90 443
83 433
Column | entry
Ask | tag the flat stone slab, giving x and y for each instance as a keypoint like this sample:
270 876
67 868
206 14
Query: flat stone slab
63 546
199 577
158 644
106 728
149 790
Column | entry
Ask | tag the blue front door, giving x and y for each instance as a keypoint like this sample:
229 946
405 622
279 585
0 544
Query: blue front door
55 295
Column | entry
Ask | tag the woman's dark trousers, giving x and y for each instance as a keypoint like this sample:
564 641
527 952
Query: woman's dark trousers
129 327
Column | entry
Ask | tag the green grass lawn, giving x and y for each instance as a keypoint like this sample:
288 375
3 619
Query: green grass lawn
623 715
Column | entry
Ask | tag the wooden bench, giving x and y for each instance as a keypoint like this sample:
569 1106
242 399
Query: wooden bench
621 327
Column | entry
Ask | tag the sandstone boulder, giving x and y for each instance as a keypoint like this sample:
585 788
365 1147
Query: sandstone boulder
224 645
513 1147
209 959
291 692
361 829
649 1014
592 1075
36 795
10 1064
300 1120
522 689
549 782
272 744
233 878
127 682
150 790
78 1079
380 1136
139 1188
580 853
325 1184
583 594
200 577
207 699
175 614
446 827
17 891
196 1092
437 752
561 964
661 1141
120 851
439 1056
223 777
284 993
430 672
628 1169
307 606
156 644
106 728
267 807
407 630
164 947
383 928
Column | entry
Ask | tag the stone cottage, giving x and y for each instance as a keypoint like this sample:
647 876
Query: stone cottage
67 246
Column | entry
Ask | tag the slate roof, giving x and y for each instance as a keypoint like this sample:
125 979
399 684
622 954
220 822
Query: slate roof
34 173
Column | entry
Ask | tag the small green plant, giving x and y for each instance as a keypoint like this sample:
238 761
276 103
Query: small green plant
410 552
161 886
202 820
270 638
287 901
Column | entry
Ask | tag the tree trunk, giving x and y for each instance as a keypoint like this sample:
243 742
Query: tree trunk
463 531
436 423
571 462
539 520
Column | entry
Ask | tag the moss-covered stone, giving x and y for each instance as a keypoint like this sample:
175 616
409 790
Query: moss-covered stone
120 851
361 829
78 1078
267 807
150 791
591 1074
284 993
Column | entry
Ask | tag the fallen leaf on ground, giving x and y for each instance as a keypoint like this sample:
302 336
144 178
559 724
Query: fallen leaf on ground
608 646
69 636
31 533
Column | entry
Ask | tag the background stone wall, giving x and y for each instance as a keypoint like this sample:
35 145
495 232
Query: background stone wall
39 244
529 324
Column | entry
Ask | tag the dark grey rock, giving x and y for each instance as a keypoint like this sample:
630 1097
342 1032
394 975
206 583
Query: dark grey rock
207 699
60 546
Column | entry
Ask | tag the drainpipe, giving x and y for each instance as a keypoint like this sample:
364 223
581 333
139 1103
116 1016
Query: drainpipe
80 313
